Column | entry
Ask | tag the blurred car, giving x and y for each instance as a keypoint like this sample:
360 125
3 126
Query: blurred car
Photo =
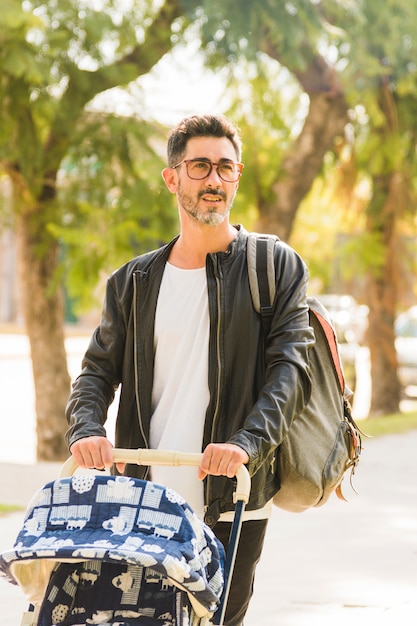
406 346
350 318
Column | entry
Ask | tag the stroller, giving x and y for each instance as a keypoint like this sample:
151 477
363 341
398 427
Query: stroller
101 549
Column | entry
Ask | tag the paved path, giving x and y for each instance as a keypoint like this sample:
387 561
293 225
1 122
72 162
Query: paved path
346 563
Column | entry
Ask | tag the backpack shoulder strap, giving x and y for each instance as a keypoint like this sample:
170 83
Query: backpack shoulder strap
261 272
324 319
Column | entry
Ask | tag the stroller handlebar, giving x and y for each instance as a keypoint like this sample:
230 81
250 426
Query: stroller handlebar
143 456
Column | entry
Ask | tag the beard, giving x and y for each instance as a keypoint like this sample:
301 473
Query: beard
212 216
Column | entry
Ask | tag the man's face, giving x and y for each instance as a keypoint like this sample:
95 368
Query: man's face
207 201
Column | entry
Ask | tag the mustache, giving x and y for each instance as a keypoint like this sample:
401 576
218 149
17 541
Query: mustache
212 192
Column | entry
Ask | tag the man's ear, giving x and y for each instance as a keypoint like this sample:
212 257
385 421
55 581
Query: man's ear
170 177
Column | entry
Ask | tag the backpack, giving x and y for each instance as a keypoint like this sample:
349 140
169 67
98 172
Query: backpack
323 442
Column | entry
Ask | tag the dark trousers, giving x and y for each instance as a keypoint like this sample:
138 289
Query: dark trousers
249 552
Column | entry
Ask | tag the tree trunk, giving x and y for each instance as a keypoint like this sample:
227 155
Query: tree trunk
383 213
325 121
382 297
43 310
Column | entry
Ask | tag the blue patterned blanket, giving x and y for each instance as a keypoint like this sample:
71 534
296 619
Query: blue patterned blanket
106 549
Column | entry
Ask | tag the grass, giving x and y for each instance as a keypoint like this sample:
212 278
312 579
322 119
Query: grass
389 424
9 508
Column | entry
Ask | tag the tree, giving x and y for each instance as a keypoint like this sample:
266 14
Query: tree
54 60
290 34
346 57
381 80
55 57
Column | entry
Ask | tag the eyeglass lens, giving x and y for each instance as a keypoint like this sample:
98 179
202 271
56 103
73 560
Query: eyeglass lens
227 170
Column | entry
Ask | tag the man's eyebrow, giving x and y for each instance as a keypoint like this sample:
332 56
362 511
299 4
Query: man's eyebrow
221 160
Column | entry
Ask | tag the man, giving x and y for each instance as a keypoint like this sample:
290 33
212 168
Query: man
180 335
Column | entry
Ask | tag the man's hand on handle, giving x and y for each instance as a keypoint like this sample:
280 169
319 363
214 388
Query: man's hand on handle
219 459
222 459
94 453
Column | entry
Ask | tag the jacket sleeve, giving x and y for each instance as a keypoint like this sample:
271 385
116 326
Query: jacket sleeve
287 384
94 389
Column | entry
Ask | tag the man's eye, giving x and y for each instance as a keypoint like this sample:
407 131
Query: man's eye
227 167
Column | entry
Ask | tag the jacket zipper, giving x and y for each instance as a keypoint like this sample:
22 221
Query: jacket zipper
136 367
217 273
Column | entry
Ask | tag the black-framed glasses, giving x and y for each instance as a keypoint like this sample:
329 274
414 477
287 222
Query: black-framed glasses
198 169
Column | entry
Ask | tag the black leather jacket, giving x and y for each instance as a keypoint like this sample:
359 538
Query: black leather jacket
255 389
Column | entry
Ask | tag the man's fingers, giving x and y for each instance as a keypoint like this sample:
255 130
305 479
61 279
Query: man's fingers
221 459
93 452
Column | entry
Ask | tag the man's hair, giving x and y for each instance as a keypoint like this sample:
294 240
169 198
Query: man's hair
201 126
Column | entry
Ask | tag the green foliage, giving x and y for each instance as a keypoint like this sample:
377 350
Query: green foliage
362 254
74 169
385 49
370 45
115 204
296 29
54 58
265 105
318 223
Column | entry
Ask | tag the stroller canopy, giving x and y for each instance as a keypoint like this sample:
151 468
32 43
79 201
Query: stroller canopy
114 519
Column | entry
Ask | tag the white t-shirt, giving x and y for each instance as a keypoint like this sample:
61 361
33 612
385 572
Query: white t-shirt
180 393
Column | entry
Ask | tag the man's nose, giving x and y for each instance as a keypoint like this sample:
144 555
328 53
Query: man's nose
214 178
